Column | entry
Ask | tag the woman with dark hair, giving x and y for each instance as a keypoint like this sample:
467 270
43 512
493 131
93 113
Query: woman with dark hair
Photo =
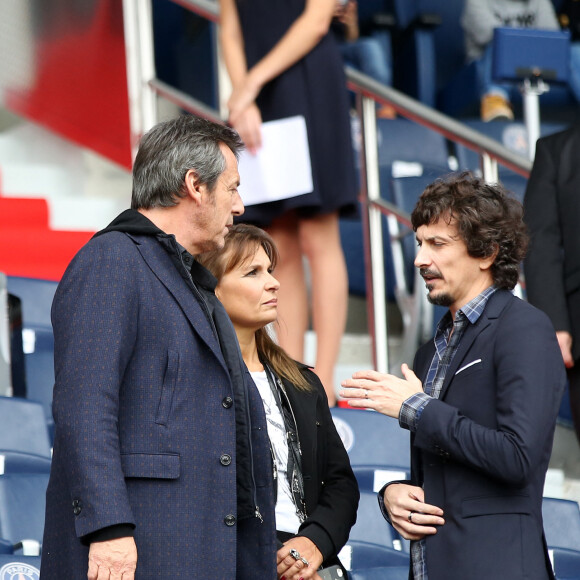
317 493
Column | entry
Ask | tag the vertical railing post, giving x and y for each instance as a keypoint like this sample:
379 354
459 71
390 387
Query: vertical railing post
373 234
140 57
489 168
5 375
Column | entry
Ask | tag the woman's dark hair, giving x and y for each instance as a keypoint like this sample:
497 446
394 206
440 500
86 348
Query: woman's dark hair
487 218
241 244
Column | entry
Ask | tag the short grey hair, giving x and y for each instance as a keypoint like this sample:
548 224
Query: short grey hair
170 149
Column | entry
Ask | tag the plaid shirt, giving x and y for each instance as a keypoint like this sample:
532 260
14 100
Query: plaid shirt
445 349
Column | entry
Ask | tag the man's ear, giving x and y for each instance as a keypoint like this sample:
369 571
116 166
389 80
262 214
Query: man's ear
193 186
486 263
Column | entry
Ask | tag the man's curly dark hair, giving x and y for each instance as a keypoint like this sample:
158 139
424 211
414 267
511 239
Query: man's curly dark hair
487 218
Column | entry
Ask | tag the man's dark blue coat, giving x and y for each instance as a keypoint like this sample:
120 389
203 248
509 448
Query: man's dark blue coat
145 423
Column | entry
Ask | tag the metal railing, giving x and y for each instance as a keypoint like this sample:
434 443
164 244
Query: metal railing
144 88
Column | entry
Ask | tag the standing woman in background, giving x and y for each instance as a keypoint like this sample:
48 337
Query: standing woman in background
283 62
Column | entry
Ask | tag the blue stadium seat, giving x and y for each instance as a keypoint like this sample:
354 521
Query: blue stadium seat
414 50
23 427
566 563
371 526
372 438
372 477
36 297
561 523
17 462
22 506
19 567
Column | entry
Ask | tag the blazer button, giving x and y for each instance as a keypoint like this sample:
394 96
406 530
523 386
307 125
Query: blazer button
230 520
225 459
227 402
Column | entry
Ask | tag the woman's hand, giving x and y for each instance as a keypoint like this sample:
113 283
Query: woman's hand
248 124
292 569
243 95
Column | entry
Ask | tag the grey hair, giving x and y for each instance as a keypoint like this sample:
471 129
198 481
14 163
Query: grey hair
170 149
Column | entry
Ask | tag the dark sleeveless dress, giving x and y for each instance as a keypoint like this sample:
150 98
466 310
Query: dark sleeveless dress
314 87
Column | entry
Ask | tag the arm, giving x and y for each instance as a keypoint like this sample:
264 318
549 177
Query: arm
547 19
302 36
93 304
545 257
478 22
248 122
526 366
399 500
349 17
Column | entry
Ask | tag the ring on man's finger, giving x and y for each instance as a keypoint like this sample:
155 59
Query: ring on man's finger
410 517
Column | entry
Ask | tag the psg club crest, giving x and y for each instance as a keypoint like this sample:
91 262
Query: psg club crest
19 571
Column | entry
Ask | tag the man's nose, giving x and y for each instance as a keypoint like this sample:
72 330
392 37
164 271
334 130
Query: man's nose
420 257
237 205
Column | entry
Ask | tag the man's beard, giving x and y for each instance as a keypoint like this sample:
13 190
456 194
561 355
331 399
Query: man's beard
440 299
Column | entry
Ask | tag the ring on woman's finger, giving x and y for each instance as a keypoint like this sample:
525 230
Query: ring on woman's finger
410 517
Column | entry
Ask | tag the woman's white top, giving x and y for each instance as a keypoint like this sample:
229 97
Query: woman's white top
286 518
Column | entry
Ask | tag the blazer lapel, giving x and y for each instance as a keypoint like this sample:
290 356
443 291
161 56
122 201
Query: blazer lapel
164 269
492 310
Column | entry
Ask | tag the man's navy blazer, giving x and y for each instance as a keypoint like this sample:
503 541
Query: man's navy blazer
145 423
482 449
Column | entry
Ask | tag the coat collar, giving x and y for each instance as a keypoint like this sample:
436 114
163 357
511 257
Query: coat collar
178 285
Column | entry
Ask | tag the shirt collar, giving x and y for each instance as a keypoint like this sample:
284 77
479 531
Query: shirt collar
200 275
472 310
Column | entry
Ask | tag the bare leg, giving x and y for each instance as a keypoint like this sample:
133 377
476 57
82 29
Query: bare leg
320 241
292 296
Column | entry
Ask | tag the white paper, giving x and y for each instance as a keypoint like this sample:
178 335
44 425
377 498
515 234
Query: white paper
281 168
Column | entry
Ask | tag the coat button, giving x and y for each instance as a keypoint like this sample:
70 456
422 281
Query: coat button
230 520
225 459
227 402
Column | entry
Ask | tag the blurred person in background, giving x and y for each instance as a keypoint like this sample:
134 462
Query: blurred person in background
283 61
552 265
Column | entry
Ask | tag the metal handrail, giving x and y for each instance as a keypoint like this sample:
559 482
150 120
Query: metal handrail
369 92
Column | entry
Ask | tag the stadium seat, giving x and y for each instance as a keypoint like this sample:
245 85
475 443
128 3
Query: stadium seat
414 50
17 462
23 427
561 523
371 526
372 477
36 297
372 438
22 506
566 563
